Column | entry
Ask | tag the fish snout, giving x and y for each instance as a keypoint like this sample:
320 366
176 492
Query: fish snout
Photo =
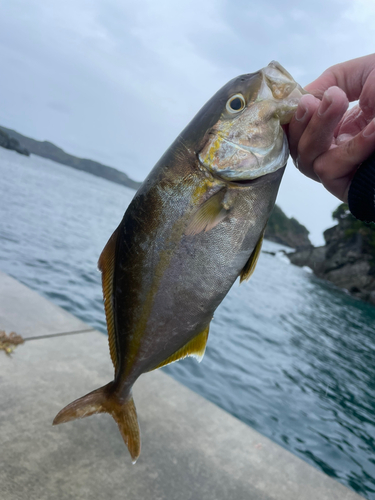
286 92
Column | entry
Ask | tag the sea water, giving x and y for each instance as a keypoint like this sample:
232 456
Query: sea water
289 354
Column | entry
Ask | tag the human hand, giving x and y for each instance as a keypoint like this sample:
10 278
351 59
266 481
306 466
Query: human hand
327 141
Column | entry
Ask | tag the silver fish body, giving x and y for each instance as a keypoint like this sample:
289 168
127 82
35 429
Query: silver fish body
178 278
194 226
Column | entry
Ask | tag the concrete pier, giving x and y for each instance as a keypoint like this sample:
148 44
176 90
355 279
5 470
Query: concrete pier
191 449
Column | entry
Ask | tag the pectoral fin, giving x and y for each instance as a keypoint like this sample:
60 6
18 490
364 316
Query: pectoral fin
106 265
195 347
249 268
208 215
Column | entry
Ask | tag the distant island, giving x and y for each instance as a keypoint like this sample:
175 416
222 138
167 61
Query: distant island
8 142
348 257
11 139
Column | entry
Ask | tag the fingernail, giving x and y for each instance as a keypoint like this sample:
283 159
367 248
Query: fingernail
325 104
301 112
370 129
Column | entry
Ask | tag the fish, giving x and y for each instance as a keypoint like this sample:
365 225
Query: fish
195 225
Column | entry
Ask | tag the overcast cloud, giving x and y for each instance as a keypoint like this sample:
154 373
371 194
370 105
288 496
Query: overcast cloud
116 81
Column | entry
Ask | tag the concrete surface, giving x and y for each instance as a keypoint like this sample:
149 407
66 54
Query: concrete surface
31 315
191 449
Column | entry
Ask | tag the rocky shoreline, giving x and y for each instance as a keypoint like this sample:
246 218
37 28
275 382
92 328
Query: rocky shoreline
348 257
45 149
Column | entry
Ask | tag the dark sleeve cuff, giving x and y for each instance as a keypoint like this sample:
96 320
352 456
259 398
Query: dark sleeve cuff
361 196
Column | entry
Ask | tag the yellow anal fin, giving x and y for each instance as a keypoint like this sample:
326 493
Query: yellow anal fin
208 215
106 265
249 268
195 347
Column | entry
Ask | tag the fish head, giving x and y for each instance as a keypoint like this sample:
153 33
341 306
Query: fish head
245 140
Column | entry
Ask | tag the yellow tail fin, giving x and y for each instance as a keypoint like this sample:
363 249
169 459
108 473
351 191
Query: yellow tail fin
104 400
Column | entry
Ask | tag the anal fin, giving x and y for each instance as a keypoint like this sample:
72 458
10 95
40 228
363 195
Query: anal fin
249 268
106 265
195 347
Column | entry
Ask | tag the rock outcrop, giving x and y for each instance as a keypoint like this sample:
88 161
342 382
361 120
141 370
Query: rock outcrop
11 143
348 257
286 231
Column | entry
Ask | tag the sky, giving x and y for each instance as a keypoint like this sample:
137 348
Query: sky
117 80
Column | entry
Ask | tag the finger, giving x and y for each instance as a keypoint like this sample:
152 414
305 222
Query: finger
367 97
306 108
336 167
318 136
321 84
353 122
350 76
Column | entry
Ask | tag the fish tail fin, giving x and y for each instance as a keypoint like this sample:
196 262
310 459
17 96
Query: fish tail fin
104 400
127 421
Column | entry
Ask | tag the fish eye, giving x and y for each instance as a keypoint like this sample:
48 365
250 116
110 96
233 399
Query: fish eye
236 103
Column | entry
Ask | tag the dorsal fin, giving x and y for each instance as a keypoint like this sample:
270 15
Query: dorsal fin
106 265
195 347
208 215
248 270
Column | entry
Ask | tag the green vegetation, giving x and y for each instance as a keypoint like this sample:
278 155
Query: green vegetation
353 227
279 223
286 231
342 212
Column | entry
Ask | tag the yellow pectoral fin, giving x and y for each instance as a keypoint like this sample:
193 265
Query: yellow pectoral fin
249 268
106 265
195 347
208 215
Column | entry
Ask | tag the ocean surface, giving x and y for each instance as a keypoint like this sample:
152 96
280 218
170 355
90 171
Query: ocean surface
289 354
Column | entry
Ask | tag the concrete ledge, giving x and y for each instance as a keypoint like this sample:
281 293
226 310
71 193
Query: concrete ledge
29 314
191 449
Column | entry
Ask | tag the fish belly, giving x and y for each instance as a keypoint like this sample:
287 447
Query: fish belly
170 282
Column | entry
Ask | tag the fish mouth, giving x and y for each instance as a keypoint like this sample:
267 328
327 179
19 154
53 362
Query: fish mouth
278 67
263 179
245 183
248 149
255 155
229 182
270 73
